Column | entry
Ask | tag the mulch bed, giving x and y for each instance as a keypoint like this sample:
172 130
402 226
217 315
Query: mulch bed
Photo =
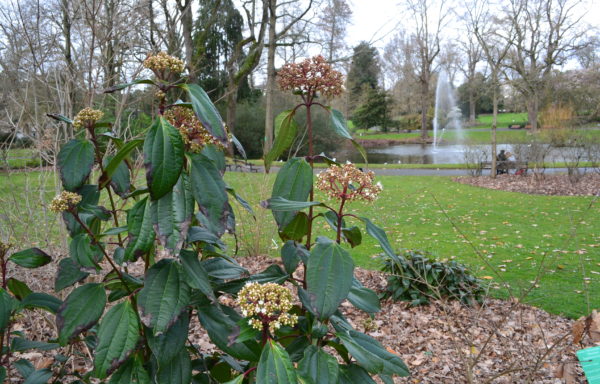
439 342
496 342
541 184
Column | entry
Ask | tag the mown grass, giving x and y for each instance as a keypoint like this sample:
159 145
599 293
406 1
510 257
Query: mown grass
19 158
510 237
475 137
503 120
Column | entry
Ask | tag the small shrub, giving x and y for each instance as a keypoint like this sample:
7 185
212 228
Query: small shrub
417 278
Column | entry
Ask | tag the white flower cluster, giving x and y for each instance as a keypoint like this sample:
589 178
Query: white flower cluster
266 305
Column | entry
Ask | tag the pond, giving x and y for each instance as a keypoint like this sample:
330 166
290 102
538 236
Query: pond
446 154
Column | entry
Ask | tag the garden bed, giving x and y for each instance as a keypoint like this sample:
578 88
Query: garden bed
436 341
559 185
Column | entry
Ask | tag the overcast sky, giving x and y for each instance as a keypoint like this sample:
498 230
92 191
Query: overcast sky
375 20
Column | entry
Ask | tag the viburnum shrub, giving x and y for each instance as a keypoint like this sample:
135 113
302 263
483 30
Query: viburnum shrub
142 268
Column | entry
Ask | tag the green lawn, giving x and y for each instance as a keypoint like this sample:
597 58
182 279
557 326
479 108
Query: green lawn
19 158
504 119
515 235
474 137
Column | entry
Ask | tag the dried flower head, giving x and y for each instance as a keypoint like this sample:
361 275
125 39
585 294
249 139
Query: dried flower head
87 117
4 247
349 183
266 305
65 201
311 76
195 136
162 65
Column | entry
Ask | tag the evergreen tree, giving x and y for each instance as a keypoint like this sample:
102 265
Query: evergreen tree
364 72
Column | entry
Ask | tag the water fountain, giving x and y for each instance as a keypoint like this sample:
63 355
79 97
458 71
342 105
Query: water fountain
446 114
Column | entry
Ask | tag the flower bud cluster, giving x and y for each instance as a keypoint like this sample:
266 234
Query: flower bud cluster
266 305
194 135
161 64
311 76
65 201
347 182
87 117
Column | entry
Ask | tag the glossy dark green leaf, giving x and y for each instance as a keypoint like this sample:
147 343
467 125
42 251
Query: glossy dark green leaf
352 235
329 275
30 258
164 296
95 211
206 111
75 161
24 367
163 157
167 346
285 133
18 288
172 215
178 371
354 374
68 273
132 372
202 234
290 256
238 146
3 374
209 191
216 155
340 127
220 326
222 268
6 307
318 367
40 376
275 366
363 298
371 355
118 336
379 234
116 171
281 204
84 252
272 274
42 300
139 229
80 311
20 344
119 87
294 181
59 117
296 229
120 178
197 277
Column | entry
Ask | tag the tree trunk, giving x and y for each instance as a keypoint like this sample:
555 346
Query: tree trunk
494 169
269 115
424 108
187 24
70 78
471 104
532 111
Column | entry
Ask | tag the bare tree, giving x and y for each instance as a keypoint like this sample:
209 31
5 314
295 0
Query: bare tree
546 34
429 18
276 32
332 23
495 42
472 54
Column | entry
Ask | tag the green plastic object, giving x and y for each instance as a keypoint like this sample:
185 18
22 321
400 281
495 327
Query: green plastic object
590 362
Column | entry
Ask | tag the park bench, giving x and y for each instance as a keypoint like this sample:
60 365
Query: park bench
520 167
241 166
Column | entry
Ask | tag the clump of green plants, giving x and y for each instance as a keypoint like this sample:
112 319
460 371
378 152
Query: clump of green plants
418 278
144 260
